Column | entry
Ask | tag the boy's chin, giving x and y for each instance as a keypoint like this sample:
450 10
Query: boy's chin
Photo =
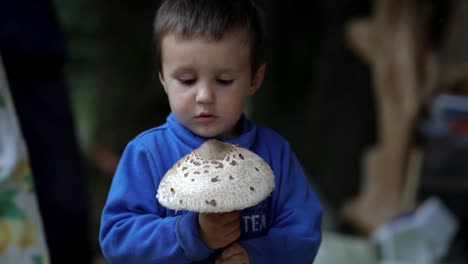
216 134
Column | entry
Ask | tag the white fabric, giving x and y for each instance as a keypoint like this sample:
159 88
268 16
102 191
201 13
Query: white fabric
21 234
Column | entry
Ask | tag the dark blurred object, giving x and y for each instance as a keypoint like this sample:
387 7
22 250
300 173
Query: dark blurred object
445 166
33 50
317 93
129 88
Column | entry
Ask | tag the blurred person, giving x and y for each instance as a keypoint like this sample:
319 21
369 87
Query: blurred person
33 50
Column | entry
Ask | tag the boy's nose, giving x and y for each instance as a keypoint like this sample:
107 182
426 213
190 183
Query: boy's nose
205 94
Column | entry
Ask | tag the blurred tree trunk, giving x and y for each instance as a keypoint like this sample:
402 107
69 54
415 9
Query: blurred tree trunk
409 63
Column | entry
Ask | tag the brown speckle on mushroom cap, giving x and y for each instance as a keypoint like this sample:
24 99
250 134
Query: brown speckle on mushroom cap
236 187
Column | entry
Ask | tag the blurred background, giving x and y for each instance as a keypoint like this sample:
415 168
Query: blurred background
372 96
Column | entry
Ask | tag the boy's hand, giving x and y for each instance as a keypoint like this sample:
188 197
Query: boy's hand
219 230
234 254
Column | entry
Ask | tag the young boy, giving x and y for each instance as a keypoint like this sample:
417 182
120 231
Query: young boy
210 58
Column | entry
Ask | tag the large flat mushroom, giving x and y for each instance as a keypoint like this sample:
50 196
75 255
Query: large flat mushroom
217 177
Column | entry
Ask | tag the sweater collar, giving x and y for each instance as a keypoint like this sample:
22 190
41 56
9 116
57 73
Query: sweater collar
191 140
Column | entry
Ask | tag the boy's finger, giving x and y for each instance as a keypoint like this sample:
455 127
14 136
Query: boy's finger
232 222
222 218
235 259
230 251
233 235
230 217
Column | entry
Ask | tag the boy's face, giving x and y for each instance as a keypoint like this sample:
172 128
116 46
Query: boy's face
208 82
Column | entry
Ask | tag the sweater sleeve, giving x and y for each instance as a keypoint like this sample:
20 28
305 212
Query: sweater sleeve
295 233
134 227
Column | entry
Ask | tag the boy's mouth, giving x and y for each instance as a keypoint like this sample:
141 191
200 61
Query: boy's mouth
205 117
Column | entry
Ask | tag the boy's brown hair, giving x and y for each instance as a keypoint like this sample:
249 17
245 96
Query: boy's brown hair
211 19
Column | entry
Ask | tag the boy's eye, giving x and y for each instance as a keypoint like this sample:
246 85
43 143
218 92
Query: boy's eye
190 81
224 81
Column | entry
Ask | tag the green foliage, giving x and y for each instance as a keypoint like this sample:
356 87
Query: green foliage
29 180
8 208
37 259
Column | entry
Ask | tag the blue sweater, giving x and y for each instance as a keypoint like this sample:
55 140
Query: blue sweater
135 228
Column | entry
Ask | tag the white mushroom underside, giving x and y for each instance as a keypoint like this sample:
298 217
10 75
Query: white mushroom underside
234 183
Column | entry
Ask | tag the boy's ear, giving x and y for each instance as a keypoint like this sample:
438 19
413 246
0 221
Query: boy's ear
257 80
163 82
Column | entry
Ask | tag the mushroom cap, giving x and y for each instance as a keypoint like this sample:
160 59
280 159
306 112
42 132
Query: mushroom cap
217 177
